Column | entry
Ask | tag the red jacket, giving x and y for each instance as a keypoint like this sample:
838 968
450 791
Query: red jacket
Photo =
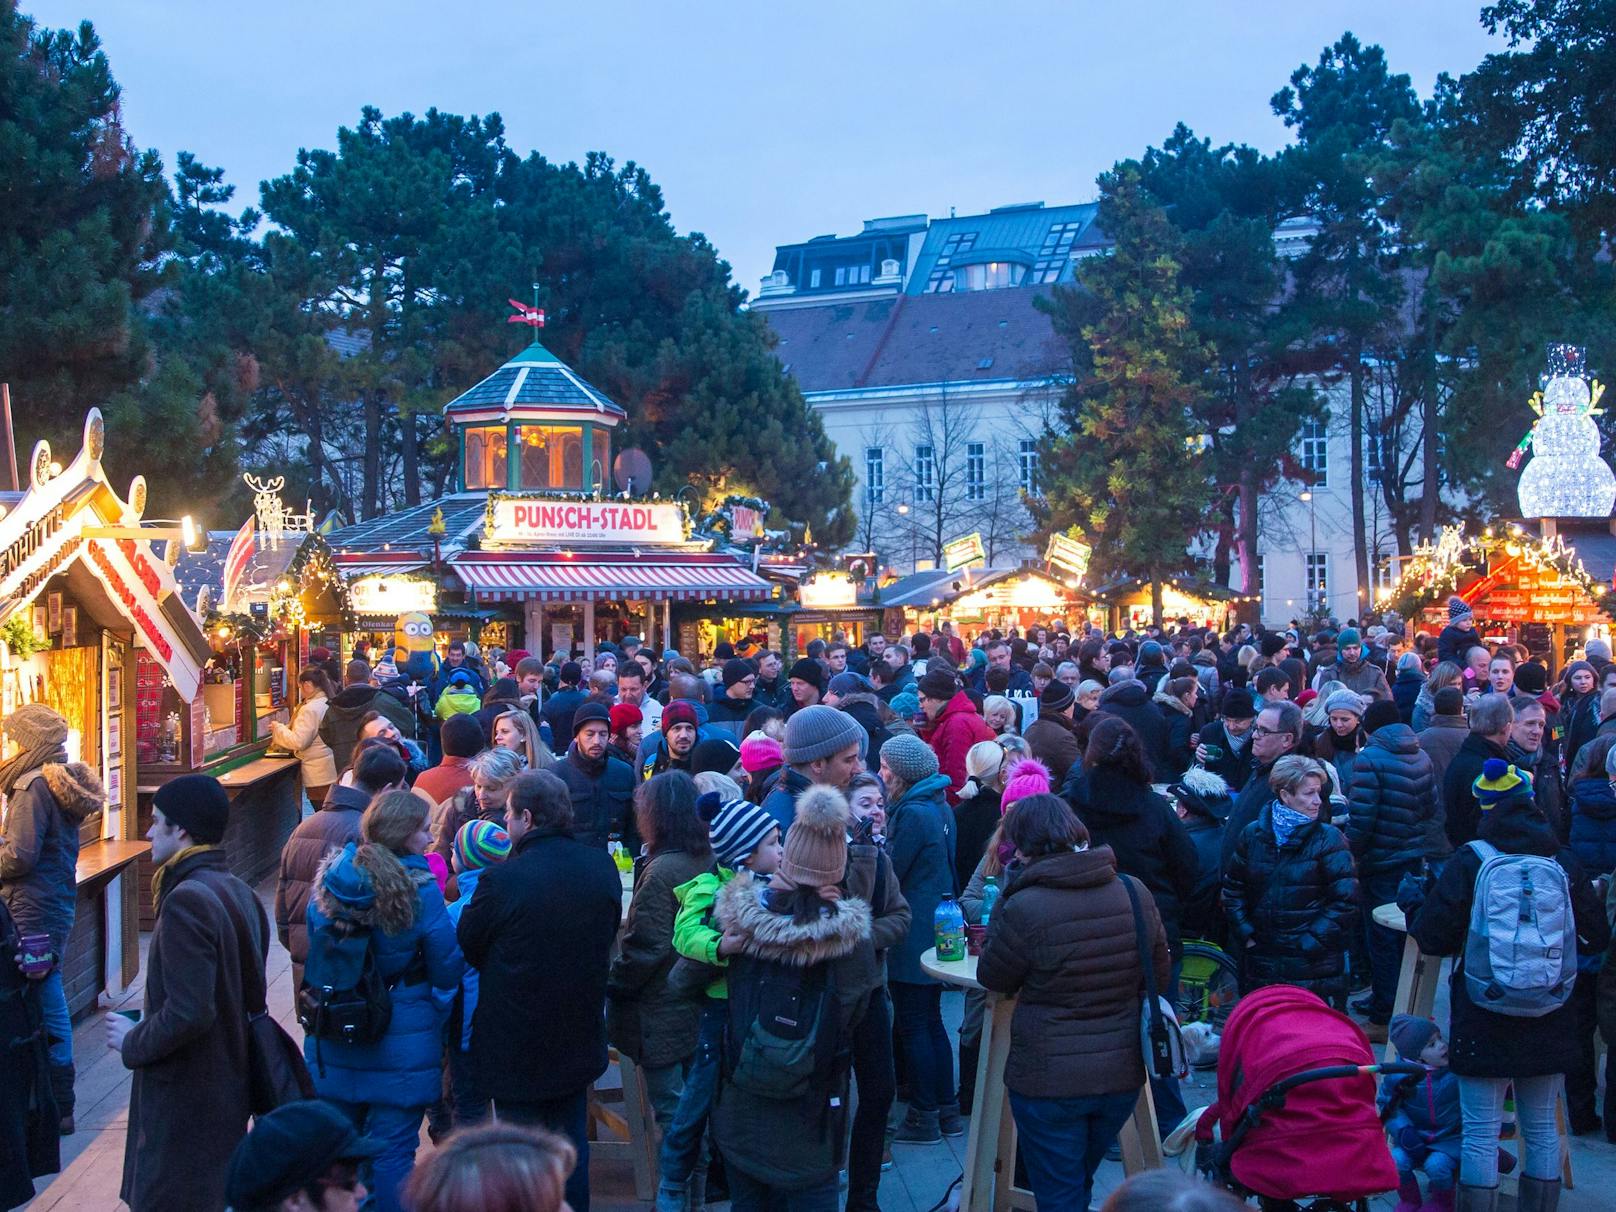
956 728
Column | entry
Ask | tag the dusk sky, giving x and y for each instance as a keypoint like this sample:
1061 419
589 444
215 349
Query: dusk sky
762 123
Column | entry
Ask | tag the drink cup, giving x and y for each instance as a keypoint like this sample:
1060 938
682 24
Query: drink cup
975 936
37 958
1214 753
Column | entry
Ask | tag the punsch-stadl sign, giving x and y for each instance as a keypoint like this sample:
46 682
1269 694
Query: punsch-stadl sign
560 522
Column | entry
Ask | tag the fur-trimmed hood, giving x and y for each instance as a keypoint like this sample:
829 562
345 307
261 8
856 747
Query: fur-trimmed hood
76 787
1170 702
775 936
370 887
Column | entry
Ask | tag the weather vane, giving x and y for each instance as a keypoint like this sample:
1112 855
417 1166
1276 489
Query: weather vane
533 316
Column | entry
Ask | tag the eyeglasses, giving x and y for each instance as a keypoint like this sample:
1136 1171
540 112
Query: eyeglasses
1261 731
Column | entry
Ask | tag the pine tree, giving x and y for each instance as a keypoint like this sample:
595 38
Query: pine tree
1129 472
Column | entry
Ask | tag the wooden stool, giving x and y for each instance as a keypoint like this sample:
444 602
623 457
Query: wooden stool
634 1128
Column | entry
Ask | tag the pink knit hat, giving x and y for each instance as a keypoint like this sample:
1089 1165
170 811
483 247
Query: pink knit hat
759 751
1027 777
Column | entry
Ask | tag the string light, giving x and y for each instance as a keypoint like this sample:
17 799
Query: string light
1566 477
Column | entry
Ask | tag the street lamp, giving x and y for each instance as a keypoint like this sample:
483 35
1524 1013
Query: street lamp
1312 549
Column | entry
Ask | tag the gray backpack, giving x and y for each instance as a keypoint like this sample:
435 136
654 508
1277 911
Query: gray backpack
1520 957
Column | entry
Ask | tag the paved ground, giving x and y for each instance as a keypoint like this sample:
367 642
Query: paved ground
93 1157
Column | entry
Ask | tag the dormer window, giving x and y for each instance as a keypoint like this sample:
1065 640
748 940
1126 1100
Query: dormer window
989 275
552 456
485 457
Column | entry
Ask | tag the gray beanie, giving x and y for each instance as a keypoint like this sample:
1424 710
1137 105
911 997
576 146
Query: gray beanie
34 725
1345 700
818 732
909 757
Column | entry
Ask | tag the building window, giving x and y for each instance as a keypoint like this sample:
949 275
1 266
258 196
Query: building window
925 473
1262 578
1027 465
988 275
552 456
1385 574
976 471
941 281
813 279
485 457
875 474
841 275
1316 452
1056 251
1372 457
1318 579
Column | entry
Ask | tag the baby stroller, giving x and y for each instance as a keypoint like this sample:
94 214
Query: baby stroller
1295 1116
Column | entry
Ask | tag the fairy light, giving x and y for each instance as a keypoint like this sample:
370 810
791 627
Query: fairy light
1566 478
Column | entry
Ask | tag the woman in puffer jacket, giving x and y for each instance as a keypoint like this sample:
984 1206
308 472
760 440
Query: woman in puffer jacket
383 886
1290 891
1593 841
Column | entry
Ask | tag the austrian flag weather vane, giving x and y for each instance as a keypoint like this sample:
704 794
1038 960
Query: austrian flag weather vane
533 316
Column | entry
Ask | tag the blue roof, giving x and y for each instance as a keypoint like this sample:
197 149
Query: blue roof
406 529
539 378
1042 236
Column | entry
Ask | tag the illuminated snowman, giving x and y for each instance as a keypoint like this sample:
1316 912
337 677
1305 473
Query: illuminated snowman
1566 477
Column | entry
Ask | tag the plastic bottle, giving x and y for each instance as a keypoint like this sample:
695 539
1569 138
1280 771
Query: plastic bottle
949 924
990 897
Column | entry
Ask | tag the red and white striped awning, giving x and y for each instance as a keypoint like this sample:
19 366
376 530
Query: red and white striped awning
582 577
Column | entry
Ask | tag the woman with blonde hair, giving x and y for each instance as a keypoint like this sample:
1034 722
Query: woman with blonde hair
1446 673
516 731
380 894
496 1168
999 714
978 813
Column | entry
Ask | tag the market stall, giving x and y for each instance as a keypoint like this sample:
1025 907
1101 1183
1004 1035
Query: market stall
89 613
975 600
532 542
1129 603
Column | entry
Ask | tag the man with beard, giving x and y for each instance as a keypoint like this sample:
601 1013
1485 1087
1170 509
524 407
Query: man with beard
679 734
855 696
600 785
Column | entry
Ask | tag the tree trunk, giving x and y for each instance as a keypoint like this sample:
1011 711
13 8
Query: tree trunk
1156 611
1360 544
1246 539
1430 419
409 445
370 501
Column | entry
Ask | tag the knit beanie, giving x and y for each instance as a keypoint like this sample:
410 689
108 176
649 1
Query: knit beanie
1306 697
1531 678
905 705
760 751
480 844
909 757
816 843
625 716
196 803
1379 713
588 713
1410 1034
724 651
1348 637
737 670
1057 697
737 827
1272 642
1027 777
938 684
1498 782
34 725
1239 704
717 753
808 671
679 711
1458 609
818 732
1150 653
848 682
1345 700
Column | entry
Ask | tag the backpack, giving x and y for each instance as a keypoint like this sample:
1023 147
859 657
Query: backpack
1520 956
344 997
783 1039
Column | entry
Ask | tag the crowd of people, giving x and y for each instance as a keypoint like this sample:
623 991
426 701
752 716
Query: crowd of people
453 906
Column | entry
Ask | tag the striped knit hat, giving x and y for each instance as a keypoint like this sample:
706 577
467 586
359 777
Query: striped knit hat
1498 782
480 844
738 827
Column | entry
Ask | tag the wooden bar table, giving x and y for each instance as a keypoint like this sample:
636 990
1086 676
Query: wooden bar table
1417 982
988 1172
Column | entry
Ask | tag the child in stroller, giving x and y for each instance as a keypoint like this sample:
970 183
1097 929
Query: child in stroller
1295 1116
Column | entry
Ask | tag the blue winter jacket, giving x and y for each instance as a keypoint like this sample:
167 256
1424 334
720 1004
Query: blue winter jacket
1593 824
1430 1109
920 841
467 883
405 1067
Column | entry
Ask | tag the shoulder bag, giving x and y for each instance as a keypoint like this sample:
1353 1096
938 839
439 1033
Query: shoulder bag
1160 1042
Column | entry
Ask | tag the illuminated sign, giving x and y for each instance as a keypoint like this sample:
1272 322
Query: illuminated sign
1068 554
964 552
828 590
560 522
380 594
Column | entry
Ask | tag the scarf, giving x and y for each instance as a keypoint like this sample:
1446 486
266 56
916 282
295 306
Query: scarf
1237 744
161 875
29 759
1523 759
1287 821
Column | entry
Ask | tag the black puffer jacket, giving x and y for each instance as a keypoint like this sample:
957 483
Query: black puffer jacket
1460 812
1391 796
1291 908
1484 1044
601 794
1131 701
1149 841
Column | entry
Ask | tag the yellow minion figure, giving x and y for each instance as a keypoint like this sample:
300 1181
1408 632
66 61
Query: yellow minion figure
416 656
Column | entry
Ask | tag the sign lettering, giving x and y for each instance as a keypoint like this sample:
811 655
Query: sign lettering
537 521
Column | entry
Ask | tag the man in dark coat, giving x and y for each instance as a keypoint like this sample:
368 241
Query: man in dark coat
559 707
1130 699
999 658
854 695
1151 668
1052 737
1491 717
1225 744
1278 731
600 785
340 727
188 1107
1391 795
331 827
539 930
728 711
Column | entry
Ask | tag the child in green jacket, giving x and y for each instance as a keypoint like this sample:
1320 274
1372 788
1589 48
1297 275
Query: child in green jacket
746 843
